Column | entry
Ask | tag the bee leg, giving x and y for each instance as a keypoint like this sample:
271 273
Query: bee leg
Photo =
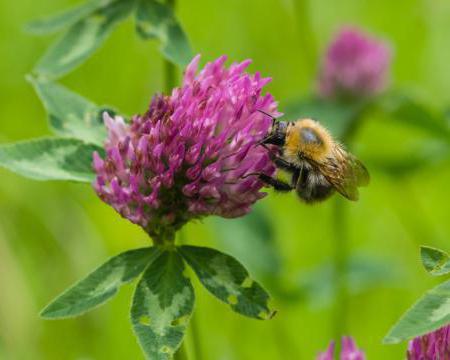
295 176
277 184
285 165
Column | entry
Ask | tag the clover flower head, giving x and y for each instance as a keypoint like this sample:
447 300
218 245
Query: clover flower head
435 345
355 65
349 351
194 152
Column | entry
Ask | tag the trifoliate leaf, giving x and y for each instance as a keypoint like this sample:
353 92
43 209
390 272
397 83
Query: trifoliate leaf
64 19
82 39
155 19
228 280
71 114
100 285
162 306
50 159
435 261
431 312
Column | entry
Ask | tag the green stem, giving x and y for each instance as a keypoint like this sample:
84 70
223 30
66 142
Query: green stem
193 323
181 354
170 74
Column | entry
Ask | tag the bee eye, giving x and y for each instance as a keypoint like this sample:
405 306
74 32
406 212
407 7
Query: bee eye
309 136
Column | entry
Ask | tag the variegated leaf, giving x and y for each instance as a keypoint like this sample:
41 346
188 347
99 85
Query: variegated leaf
50 159
100 285
71 114
162 305
155 19
82 39
229 281
431 312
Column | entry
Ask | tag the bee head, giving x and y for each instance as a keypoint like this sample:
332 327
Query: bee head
309 139
277 132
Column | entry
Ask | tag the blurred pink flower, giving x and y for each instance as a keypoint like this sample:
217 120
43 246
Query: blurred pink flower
188 155
355 65
349 351
432 346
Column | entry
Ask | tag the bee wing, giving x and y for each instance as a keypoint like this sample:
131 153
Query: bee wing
346 173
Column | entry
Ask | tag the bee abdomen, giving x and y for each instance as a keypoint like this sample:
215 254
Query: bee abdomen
313 187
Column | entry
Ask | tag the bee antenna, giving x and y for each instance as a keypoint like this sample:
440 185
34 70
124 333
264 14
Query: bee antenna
265 113
274 119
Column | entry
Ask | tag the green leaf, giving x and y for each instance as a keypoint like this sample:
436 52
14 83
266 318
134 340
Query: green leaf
157 20
64 19
162 306
431 312
71 114
82 39
435 261
100 285
252 240
338 117
50 159
229 281
403 108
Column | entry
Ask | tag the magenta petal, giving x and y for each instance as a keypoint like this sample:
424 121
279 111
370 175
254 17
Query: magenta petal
186 157
435 345
328 354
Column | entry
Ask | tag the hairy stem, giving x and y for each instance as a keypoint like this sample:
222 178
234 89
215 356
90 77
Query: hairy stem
170 73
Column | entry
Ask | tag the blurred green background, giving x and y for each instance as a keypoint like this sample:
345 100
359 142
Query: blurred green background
51 234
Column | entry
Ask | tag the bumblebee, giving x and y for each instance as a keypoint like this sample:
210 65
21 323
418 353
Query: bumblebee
318 165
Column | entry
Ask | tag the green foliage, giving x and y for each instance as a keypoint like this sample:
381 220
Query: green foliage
100 285
435 261
431 312
82 39
162 305
71 114
225 278
50 159
164 297
64 19
421 59
90 24
336 116
157 20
